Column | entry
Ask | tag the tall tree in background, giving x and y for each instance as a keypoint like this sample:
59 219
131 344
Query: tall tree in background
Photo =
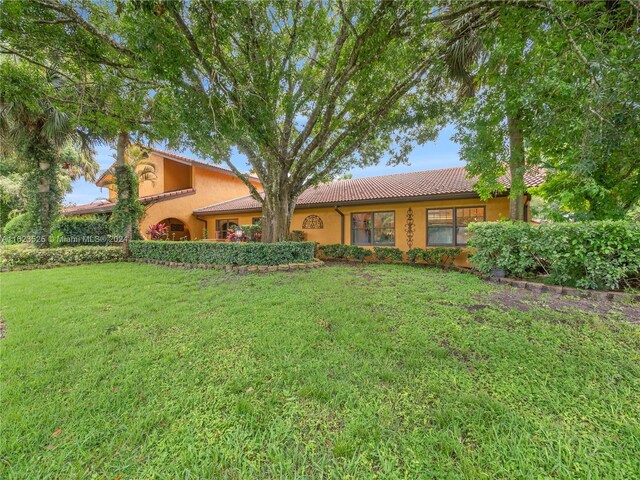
112 99
41 137
491 106
305 90
556 86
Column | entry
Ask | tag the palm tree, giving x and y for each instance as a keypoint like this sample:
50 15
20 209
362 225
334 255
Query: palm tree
465 49
41 136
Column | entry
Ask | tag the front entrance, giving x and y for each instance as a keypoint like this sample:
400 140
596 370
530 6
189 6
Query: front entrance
176 229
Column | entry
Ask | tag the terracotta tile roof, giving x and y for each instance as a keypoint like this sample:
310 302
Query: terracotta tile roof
99 206
181 159
105 206
448 182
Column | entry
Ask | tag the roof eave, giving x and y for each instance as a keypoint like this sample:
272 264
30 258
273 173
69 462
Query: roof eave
420 198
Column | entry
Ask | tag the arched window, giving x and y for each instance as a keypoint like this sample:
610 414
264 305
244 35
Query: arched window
312 222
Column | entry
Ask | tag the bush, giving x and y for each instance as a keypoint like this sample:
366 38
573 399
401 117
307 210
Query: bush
17 229
82 231
340 251
388 254
227 253
297 236
414 255
504 245
441 255
603 254
21 255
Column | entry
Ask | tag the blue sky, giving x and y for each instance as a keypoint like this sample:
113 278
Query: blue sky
442 153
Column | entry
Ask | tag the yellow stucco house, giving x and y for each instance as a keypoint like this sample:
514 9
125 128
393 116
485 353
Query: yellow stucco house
418 209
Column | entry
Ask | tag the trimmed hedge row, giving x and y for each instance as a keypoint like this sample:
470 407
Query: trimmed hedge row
339 251
435 255
224 253
594 255
83 231
19 255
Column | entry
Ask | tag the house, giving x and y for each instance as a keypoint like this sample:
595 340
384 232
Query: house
405 210
178 186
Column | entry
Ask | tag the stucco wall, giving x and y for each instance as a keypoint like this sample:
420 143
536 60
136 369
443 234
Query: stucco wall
211 187
496 208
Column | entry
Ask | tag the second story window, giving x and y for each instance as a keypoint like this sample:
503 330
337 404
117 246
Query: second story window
373 228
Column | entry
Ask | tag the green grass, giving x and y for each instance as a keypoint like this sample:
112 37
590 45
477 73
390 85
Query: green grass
384 371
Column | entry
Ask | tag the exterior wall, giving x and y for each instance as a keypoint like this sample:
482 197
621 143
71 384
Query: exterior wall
176 176
210 187
495 209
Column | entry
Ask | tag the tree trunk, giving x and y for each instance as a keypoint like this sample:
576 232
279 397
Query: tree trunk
123 194
516 167
47 201
276 217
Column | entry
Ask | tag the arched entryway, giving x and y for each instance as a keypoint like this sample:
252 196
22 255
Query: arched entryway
176 229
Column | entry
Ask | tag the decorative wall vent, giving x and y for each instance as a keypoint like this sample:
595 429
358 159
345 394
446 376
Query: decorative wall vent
409 228
312 222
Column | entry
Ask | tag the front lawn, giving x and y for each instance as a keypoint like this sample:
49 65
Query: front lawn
140 371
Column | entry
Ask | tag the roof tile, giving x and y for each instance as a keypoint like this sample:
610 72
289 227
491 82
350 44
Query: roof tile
448 181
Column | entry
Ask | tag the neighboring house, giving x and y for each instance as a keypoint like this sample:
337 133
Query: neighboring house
179 186
417 209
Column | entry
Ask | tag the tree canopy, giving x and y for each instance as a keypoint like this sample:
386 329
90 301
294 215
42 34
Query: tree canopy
307 90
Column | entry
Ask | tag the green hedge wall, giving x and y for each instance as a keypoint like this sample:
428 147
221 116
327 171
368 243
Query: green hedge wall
83 231
19 255
224 253
595 255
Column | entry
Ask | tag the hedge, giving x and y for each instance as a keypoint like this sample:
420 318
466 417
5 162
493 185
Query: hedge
224 253
82 231
434 255
340 251
594 255
20 255
17 229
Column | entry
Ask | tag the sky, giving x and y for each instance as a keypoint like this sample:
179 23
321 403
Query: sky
441 153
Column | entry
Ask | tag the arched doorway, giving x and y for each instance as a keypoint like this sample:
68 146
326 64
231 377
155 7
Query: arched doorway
176 229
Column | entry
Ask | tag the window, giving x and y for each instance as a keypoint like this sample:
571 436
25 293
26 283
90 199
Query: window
223 226
448 226
465 216
373 228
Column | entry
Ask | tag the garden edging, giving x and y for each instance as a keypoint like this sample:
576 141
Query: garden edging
562 290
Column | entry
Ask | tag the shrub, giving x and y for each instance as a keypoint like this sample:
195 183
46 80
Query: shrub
441 255
333 250
23 255
17 229
414 255
82 231
227 253
509 246
157 231
602 254
340 251
388 254
297 236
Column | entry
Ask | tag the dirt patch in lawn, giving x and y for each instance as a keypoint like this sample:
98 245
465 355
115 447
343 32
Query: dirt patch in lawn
524 300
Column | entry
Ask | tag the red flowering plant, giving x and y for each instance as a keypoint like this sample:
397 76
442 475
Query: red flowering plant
157 231
236 235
